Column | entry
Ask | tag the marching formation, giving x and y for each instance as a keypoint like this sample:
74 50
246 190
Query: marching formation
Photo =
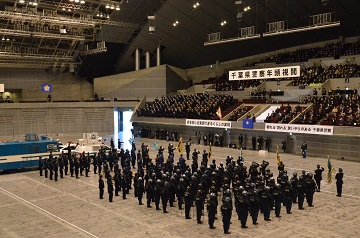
204 186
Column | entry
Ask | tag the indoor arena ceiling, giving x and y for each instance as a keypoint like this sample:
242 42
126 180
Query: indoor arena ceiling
32 35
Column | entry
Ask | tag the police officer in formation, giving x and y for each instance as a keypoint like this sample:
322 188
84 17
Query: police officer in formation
250 190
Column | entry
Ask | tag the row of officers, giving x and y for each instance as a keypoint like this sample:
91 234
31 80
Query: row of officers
248 191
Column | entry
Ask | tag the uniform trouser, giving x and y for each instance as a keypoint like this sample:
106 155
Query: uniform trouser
277 208
288 203
61 173
309 197
304 153
294 197
187 210
180 202
56 176
116 190
51 174
157 203
211 216
254 212
124 193
111 194
101 193
339 188
140 198
148 200
318 183
46 173
266 210
301 198
226 223
72 172
66 169
198 212
95 168
243 217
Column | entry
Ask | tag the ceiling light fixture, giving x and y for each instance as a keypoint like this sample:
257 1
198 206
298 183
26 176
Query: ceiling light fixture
107 6
112 7
117 7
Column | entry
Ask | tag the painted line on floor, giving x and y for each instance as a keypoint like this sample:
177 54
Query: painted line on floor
47 212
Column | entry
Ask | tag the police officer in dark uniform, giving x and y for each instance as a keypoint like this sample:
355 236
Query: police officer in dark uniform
199 203
40 166
157 193
66 164
212 209
77 167
310 189
149 192
254 202
318 176
188 202
278 198
117 183
140 190
46 165
288 196
301 191
50 162
243 209
187 149
101 187
266 201
56 168
61 167
110 188
72 164
226 210
303 149
124 185
339 182
165 196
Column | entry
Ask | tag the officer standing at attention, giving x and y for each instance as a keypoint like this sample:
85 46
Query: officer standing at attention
101 187
339 182
40 165
266 201
110 188
303 149
188 202
301 189
226 210
278 198
187 149
254 201
212 208
199 203
318 176
140 190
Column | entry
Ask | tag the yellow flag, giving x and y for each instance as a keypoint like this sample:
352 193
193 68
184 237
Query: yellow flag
277 155
179 146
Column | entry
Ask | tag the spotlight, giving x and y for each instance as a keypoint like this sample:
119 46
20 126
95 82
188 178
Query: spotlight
238 2
21 1
77 1
112 7
107 6
35 3
117 8
82 2
3 38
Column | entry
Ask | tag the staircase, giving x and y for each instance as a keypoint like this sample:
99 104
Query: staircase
268 111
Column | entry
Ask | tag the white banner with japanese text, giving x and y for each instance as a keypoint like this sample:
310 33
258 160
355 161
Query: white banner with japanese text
303 129
266 73
208 123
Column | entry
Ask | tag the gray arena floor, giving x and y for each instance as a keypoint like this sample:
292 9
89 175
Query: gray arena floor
32 206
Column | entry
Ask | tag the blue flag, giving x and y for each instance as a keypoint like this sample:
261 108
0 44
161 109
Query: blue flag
46 88
156 146
248 123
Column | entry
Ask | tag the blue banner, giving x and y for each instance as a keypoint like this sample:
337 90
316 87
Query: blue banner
46 88
248 123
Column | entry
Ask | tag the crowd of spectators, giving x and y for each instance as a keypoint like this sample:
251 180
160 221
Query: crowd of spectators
194 106
314 74
284 114
341 109
318 74
238 113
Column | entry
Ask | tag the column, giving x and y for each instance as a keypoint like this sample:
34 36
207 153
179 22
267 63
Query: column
137 59
147 60
158 59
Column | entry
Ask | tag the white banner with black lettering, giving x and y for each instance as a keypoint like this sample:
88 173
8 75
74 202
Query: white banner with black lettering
208 123
303 129
266 73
